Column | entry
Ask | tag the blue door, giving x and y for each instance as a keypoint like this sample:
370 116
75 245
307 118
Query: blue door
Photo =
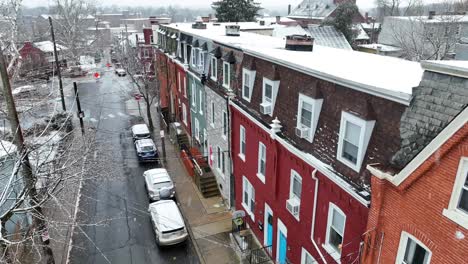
270 230
282 248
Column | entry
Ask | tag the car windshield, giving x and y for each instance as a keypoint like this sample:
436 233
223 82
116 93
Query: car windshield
147 148
142 135
160 185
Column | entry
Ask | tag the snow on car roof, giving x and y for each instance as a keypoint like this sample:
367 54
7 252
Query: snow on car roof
167 214
140 129
145 142
158 175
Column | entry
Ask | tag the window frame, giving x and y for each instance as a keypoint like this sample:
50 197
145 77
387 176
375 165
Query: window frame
201 60
404 238
274 91
457 215
366 128
331 250
194 96
180 84
226 76
304 254
261 175
184 113
214 68
316 109
250 83
292 195
200 107
242 142
251 197
197 129
212 123
225 125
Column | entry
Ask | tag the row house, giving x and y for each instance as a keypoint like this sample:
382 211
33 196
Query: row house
304 122
429 195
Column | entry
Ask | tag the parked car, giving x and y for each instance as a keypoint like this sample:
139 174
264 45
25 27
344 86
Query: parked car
140 131
168 223
159 184
120 72
146 150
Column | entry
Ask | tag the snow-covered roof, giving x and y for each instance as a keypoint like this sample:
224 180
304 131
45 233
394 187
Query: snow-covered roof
370 25
381 47
362 71
272 20
361 33
435 19
48 46
281 31
328 36
313 9
6 148
452 67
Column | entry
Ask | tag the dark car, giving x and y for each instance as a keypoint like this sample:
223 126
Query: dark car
146 150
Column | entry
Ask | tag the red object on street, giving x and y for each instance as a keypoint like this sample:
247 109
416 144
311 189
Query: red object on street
96 75
137 97
108 65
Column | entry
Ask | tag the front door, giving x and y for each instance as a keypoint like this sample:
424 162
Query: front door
269 233
282 248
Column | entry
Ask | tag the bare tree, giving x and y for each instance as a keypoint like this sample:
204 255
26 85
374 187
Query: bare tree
72 19
10 14
138 69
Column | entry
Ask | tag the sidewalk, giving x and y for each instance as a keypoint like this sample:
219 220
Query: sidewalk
208 220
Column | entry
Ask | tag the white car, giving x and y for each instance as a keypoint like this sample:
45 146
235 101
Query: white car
120 72
159 184
168 223
140 131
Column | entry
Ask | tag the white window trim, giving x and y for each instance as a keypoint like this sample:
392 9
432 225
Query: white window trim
281 228
212 123
180 84
274 86
250 191
219 161
329 248
242 135
260 175
304 254
185 53
227 75
194 96
452 212
316 108
201 102
225 125
201 60
185 86
197 130
402 247
214 68
291 194
364 138
184 114
250 84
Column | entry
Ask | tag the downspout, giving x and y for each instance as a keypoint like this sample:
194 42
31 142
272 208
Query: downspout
313 215
230 94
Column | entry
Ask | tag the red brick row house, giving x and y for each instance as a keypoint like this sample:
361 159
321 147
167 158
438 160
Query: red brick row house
305 121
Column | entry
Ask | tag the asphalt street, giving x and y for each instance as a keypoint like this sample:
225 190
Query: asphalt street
113 221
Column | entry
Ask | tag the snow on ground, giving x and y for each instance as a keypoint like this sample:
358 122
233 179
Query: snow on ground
24 89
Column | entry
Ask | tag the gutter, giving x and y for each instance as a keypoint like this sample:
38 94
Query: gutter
313 216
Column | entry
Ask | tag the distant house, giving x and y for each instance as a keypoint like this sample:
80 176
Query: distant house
316 11
424 37
40 55
328 36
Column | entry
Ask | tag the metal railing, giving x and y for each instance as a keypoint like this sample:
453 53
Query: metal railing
260 255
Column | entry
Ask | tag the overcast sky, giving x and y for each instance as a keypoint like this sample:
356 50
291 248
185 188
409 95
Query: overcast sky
363 4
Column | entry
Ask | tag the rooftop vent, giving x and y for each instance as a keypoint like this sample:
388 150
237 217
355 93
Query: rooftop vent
262 22
431 14
232 30
299 42
199 24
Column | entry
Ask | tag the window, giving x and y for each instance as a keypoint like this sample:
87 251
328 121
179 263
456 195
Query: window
194 94
412 251
296 186
269 91
185 53
225 124
200 107
152 39
201 61
213 68
194 56
212 114
335 231
242 143
145 53
306 258
226 75
261 162
185 87
307 116
219 159
457 210
248 197
248 79
180 84
184 114
197 130
354 137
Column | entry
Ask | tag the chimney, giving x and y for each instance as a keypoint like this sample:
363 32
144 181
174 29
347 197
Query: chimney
299 42
199 24
232 30
278 19
206 19
262 22
289 10
431 14
366 17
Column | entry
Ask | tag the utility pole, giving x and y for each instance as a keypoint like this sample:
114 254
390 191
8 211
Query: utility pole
78 105
59 74
28 176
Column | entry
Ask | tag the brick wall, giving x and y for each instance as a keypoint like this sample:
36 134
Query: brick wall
385 138
416 207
